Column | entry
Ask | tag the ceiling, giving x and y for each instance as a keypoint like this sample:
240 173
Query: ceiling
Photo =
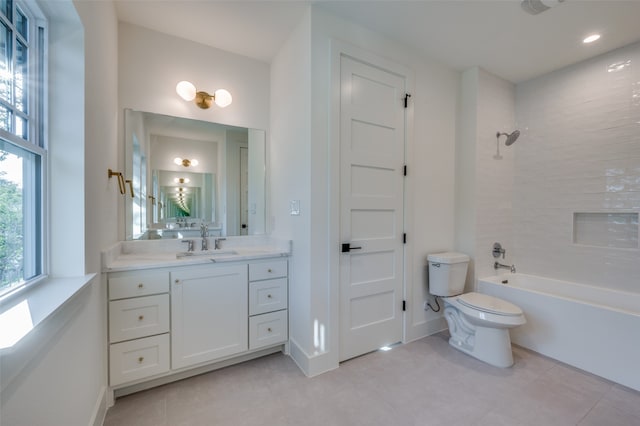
495 35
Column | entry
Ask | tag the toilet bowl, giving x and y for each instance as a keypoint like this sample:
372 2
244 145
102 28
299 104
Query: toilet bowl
479 326
478 323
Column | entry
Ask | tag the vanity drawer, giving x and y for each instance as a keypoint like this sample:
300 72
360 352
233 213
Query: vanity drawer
138 283
267 296
268 329
138 359
138 317
267 270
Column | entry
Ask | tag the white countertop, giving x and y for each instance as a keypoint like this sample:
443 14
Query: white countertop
132 255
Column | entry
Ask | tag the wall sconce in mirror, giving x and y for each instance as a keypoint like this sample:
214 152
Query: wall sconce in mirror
188 92
185 162
181 180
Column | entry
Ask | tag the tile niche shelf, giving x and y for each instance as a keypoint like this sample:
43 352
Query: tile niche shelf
606 229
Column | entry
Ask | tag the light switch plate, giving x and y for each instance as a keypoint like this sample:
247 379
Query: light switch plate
294 207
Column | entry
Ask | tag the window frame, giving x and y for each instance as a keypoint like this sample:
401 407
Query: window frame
36 83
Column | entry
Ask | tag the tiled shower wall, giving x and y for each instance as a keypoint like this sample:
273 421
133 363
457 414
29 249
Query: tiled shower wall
579 158
494 176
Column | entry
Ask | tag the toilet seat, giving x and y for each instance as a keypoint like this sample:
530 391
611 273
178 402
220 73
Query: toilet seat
489 304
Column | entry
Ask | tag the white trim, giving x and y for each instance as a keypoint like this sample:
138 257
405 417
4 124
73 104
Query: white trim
100 408
312 365
426 328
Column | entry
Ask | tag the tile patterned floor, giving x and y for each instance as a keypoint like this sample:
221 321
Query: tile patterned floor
426 382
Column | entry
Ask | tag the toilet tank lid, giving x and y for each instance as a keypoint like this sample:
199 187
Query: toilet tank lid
448 257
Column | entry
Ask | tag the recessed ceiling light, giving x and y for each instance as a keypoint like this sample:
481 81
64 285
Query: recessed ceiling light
591 38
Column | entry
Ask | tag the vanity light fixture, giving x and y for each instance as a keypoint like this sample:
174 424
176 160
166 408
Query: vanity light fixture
187 91
181 180
185 162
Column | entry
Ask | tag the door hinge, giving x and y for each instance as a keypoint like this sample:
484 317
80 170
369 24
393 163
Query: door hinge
404 171
404 305
406 99
404 238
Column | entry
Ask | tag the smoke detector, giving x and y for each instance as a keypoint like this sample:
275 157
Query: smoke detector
534 7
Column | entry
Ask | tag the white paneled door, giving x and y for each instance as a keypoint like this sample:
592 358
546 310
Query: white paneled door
372 156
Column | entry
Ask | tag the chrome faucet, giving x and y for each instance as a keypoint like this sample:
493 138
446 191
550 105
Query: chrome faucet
497 266
204 233
217 243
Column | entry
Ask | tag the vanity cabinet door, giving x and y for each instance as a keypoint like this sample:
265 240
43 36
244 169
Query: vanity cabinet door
209 314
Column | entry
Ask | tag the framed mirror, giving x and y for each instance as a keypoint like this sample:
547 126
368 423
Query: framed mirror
185 173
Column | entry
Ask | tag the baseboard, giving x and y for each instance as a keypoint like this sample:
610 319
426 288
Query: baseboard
312 365
425 328
99 409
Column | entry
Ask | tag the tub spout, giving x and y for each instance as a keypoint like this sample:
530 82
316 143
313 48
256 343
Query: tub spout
497 266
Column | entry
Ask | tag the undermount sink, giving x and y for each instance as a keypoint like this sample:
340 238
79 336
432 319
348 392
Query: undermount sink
205 253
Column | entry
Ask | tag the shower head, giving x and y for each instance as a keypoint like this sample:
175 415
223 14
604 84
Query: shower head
511 137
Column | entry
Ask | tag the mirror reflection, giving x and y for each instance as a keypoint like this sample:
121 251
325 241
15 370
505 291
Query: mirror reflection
185 173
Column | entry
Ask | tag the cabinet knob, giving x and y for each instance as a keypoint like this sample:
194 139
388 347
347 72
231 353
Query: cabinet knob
177 281
269 329
140 285
140 359
269 270
141 317
268 296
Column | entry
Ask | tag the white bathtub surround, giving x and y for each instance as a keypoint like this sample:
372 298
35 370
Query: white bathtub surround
589 327
141 254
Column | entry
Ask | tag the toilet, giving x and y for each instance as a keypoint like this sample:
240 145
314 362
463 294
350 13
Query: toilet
478 323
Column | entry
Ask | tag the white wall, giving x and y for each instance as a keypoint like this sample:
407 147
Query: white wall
579 152
64 382
465 169
309 172
289 164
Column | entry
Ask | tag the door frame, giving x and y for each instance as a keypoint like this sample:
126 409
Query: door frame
339 49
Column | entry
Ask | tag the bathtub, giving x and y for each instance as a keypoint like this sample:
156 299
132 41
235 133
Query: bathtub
591 328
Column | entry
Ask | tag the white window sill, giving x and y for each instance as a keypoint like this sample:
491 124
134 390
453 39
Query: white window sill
29 319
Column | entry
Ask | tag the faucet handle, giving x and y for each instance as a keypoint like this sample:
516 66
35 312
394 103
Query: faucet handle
189 244
498 250
217 243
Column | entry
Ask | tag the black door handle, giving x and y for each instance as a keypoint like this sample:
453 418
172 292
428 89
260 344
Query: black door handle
346 248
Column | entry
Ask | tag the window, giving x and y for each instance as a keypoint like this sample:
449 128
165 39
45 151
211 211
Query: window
23 155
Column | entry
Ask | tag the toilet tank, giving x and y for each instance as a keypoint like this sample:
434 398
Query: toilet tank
447 273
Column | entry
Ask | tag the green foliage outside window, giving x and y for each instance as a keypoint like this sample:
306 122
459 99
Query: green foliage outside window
11 230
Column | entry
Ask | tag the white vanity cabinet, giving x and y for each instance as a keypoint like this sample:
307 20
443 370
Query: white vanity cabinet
138 325
208 313
167 323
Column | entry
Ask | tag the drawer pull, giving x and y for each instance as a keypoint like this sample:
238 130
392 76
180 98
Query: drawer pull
140 285
141 317
269 329
140 360
269 296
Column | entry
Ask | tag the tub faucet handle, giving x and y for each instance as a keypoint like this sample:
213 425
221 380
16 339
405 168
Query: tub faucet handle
498 250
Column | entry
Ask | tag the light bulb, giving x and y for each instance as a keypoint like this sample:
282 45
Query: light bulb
186 90
222 98
178 161
194 162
